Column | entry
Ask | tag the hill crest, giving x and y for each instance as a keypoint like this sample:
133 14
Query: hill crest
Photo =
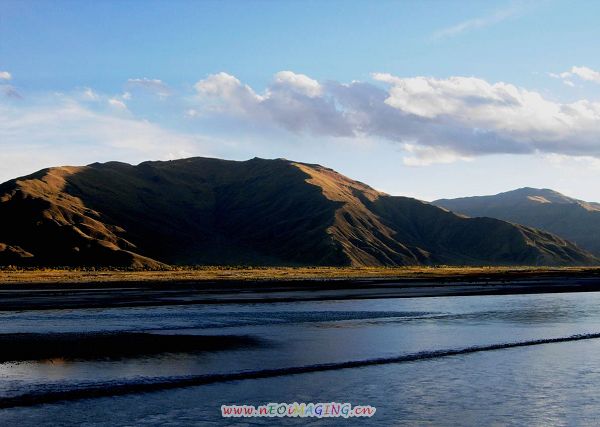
255 212
572 219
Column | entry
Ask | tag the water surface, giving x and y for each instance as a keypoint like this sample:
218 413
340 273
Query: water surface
543 384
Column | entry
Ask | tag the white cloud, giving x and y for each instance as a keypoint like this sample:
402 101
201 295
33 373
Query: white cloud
57 129
231 95
586 73
67 122
6 89
116 102
113 102
583 73
431 120
145 81
587 162
439 120
293 101
298 82
425 156
481 117
90 95
476 23
192 113
153 85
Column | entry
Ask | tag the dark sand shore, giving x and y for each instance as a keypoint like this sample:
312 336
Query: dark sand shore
131 293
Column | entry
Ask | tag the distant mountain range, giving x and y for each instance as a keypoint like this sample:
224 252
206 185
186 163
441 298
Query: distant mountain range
572 219
256 212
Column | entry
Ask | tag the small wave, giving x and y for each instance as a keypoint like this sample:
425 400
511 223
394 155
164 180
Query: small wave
156 384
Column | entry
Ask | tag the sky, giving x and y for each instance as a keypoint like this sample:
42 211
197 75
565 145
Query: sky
426 99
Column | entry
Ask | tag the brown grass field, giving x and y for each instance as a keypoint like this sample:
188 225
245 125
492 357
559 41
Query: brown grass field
200 274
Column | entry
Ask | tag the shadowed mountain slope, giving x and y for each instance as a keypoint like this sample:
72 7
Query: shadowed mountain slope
257 212
569 218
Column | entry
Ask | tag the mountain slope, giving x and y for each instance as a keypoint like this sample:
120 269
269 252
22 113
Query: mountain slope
257 212
572 219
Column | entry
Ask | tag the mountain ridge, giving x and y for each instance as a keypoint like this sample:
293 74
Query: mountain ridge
256 212
572 219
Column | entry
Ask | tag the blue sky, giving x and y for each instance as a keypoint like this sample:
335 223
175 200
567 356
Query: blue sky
427 99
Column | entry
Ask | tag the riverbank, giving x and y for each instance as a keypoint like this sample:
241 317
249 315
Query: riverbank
26 276
58 289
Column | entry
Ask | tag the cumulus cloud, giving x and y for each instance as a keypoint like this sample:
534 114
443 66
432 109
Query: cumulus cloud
585 73
287 80
293 101
432 120
5 75
230 94
435 120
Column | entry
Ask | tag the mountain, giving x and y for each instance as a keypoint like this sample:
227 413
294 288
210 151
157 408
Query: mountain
256 212
572 219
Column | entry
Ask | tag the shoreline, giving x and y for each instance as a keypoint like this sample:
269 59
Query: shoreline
44 295
79 276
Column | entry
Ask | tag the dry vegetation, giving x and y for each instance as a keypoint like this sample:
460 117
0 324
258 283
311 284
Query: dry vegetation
188 274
